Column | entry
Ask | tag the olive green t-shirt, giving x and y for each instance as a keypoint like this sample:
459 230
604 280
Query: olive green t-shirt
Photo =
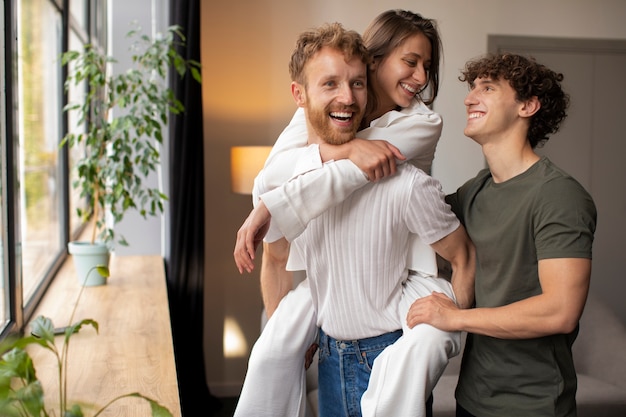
540 214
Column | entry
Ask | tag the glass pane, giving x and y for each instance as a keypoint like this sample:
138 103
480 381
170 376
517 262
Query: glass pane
4 295
4 299
40 89
78 9
99 29
75 95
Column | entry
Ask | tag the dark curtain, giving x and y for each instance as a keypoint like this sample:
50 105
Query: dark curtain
185 260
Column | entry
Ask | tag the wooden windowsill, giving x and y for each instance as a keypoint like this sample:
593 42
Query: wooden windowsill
133 351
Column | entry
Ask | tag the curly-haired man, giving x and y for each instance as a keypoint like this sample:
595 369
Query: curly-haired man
533 227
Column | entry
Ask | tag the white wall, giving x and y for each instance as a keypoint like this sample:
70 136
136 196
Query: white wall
145 236
245 49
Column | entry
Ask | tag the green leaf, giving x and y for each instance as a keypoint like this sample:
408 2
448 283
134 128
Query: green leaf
75 328
103 270
43 328
195 73
69 56
75 411
16 363
158 410
31 397
114 135
8 407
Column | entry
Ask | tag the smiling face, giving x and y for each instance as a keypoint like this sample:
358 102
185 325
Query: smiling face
493 111
399 76
334 96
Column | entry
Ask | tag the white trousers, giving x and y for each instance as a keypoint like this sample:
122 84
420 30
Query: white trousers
402 378
405 373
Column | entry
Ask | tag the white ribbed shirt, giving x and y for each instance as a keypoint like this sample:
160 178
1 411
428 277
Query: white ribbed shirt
415 130
356 252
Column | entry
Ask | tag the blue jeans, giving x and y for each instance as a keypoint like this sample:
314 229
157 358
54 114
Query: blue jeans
344 371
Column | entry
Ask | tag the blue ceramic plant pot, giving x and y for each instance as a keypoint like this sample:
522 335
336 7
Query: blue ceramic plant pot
86 257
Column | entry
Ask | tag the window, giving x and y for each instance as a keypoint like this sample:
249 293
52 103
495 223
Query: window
40 115
4 283
36 199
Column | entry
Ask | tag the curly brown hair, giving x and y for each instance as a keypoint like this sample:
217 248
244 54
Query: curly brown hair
528 78
332 35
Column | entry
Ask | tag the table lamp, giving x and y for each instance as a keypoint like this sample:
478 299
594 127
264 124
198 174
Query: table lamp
245 164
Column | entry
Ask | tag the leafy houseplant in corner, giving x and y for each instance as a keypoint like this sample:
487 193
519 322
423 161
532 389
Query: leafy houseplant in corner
125 114
22 394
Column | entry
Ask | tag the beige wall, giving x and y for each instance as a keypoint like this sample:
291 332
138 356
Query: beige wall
245 49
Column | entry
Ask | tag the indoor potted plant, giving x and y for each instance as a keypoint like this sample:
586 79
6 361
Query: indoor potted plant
21 392
124 116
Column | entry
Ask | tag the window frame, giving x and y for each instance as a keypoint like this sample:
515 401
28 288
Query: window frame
19 311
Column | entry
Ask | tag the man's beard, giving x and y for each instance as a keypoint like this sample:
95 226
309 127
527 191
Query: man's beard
331 134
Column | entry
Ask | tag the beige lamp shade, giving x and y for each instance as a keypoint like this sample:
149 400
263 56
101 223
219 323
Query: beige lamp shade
245 164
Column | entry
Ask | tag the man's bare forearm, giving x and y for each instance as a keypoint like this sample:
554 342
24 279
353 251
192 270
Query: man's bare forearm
458 249
276 281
